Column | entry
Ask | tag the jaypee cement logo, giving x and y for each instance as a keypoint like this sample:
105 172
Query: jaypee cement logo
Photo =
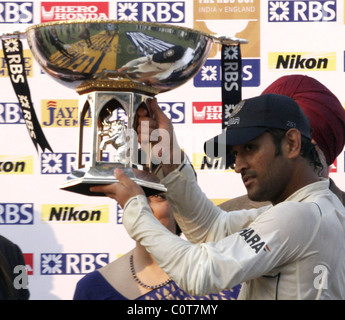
72 263
302 11
16 12
161 11
62 113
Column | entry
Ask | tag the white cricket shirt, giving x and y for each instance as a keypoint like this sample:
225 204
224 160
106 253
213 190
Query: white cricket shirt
293 250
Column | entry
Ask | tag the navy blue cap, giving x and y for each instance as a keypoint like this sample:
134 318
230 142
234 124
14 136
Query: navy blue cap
252 117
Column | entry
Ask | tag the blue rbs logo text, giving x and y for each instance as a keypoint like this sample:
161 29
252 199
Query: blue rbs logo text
175 111
72 263
16 213
210 73
163 12
16 12
63 163
302 11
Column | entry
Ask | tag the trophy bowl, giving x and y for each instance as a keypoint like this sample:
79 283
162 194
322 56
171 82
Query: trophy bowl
115 66
160 56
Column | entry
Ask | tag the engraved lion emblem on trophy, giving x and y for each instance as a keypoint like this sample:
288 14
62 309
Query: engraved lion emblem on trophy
113 133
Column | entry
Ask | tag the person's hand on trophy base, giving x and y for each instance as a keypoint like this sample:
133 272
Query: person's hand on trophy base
126 188
120 191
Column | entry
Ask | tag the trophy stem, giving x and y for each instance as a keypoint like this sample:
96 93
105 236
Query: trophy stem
229 40
111 140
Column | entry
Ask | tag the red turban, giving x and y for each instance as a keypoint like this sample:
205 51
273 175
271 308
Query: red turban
322 107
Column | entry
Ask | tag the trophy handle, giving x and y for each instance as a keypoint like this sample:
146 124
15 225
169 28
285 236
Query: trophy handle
13 34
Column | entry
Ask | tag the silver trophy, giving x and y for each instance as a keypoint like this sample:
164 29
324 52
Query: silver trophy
115 66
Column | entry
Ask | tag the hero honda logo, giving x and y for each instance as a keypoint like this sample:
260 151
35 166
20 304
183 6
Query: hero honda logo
29 263
161 11
72 263
16 12
302 11
57 11
207 112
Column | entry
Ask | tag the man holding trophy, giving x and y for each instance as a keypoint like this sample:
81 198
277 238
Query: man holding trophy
276 252
116 67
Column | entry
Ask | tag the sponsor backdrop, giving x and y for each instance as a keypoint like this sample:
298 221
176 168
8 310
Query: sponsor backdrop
66 235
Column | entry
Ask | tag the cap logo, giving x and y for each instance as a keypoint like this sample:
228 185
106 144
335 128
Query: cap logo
233 121
237 108
169 53
291 124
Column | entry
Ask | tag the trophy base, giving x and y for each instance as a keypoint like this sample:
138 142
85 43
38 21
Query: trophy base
80 181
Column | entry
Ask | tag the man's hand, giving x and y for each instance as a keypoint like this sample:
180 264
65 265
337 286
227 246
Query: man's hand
158 130
120 191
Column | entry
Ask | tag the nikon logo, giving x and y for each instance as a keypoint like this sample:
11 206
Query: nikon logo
75 213
16 164
302 61
203 162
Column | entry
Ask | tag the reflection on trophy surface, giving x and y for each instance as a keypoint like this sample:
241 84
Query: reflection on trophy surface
115 66
156 55
157 66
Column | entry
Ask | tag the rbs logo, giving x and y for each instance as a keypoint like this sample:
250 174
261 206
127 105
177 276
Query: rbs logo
210 74
302 11
16 12
119 214
163 12
16 213
175 111
10 113
63 163
72 263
